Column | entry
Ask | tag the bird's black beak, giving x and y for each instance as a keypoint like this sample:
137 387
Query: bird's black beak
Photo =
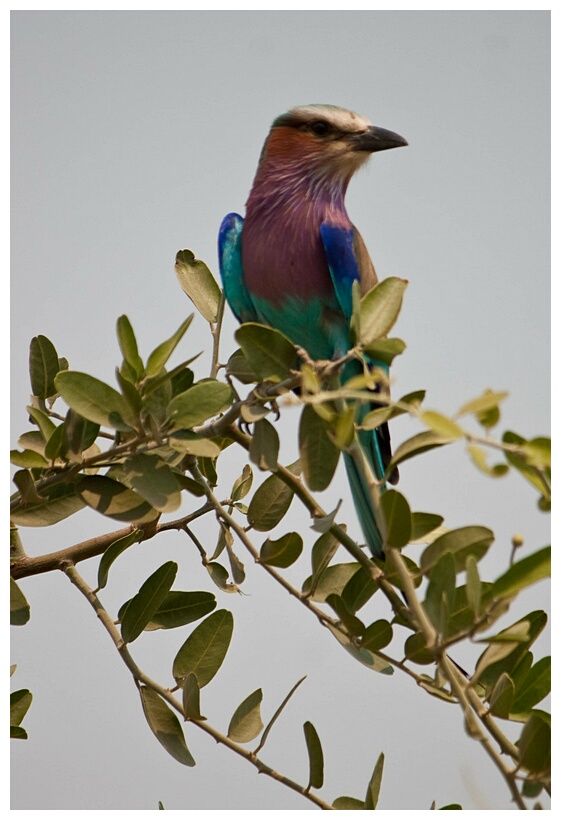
376 139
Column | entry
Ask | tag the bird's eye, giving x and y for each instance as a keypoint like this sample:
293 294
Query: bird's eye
320 128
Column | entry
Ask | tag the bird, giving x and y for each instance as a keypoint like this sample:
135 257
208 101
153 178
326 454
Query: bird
291 263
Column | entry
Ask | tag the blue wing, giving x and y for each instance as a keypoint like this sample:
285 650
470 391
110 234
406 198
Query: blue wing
349 262
231 270
343 266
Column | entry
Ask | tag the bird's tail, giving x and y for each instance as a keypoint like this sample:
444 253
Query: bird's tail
375 444
361 493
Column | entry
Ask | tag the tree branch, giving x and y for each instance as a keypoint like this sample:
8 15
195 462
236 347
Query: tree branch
37 565
140 677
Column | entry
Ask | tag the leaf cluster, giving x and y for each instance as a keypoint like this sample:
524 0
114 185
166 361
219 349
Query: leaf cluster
133 453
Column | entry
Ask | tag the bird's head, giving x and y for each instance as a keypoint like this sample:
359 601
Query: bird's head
325 140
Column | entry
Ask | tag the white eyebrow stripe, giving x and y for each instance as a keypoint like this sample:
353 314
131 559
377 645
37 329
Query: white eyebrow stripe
340 118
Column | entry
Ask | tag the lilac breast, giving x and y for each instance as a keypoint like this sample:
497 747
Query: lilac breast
282 251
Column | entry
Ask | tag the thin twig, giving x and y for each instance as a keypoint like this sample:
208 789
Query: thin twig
215 329
140 677
243 537
28 565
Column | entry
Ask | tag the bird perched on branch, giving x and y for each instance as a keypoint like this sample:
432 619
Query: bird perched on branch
292 261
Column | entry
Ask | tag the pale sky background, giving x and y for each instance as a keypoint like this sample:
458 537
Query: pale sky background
134 133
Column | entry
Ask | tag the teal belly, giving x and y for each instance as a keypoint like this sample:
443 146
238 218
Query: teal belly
321 330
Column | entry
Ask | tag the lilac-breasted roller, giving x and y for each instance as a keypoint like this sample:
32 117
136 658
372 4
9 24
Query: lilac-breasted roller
292 261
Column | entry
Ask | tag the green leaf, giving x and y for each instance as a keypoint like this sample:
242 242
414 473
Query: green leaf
165 726
79 435
412 400
237 567
382 414
532 788
378 416
131 394
462 615
202 401
322 552
219 575
19 608
191 698
479 458
199 284
523 573
460 542
537 453
239 367
416 650
520 670
205 649
189 484
264 447
440 595
502 696
54 444
397 518
181 378
490 665
43 421
158 358
347 803
420 443
128 345
277 714
364 656
377 635
352 624
283 552
33 440
179 608
318 454
385 350
322 523
112 553
534 745
271 501
423 523
17 733
185 441
146 602
154 480
379 309
534 687
519 460
473 585
332 581
43 367
482 404
20 702
94 400
246 721
270 354
113 499
358 590
373 791
27 459
315 756
242 485
442 425
62 502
